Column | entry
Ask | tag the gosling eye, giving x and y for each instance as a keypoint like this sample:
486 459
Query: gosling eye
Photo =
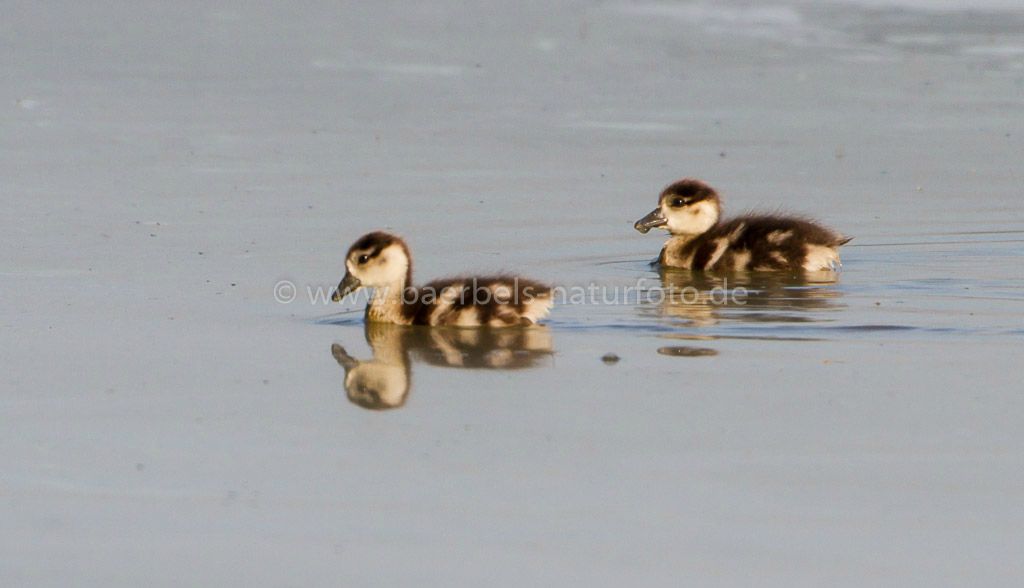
363 259
677 202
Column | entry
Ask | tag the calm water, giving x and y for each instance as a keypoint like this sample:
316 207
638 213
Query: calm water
164 420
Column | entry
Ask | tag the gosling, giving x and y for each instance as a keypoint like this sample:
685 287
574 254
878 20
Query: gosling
690 210
382 261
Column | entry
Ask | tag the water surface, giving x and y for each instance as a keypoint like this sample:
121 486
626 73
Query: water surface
167 421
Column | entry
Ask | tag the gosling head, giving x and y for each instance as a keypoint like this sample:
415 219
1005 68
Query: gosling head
687 207
376 260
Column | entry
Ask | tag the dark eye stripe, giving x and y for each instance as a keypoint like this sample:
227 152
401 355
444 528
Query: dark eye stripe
372 247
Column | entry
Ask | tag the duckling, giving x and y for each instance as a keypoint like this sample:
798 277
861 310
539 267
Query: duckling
382 261
690 210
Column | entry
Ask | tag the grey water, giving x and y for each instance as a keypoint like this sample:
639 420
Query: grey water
180 407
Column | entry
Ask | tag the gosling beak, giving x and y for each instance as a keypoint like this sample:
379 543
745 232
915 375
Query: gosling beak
348 285
652 220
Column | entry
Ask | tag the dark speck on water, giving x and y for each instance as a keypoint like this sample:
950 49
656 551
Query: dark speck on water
610 358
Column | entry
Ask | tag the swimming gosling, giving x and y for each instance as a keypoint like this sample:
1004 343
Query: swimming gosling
382 261
690 210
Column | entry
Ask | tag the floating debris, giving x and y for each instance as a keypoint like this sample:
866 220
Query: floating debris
610 358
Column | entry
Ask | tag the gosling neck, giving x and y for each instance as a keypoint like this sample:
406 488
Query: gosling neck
680 240
386 302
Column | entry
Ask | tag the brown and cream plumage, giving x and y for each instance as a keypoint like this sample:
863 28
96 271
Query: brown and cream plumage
690 210
382 261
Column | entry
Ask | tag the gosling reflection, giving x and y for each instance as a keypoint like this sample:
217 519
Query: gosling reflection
703 299
384 382
376 384
687 351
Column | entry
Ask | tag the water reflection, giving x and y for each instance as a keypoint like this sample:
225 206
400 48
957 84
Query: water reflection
687 351
702 299
384 381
